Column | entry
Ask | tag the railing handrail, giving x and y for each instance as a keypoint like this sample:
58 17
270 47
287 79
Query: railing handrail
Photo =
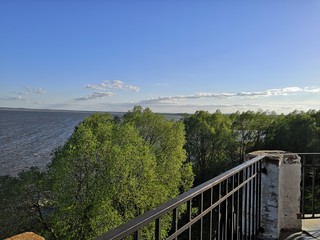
133 225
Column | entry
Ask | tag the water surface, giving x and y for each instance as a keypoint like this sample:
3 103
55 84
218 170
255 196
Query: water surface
28 138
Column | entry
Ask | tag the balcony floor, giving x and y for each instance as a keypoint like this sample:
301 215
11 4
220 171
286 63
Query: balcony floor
312 227
310 230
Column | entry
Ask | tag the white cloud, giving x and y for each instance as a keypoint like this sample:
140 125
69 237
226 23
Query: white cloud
30 90
96 95
115 84
27 95
211 95
312 89
15 98
105 89
266 93
22 93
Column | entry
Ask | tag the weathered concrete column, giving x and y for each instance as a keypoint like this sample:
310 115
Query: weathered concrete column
280 203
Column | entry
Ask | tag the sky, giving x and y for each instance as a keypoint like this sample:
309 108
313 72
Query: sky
171 56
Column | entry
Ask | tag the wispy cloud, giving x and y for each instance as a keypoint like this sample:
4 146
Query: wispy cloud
114 84
95 95
15 98
162 84
36 90
279 92
30 90
266 93
26 95
106 89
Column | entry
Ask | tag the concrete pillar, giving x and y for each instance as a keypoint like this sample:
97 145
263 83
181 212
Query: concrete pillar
280 203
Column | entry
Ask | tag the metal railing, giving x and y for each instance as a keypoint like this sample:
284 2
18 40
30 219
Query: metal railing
310 185
225 207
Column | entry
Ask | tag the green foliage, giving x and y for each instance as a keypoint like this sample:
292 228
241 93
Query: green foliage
166 140
210 143
21 203
295 132
111 171
250 129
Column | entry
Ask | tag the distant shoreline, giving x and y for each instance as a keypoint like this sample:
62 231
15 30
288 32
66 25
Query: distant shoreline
51 110
74 111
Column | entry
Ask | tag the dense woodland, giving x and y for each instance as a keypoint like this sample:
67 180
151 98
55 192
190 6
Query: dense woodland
113 169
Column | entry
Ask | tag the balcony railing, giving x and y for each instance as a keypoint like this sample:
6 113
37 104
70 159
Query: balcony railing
225 207
259 197
310 185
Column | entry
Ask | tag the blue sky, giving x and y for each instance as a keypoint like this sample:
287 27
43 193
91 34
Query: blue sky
171 56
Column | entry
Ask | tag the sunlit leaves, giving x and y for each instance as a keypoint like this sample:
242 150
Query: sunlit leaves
111 171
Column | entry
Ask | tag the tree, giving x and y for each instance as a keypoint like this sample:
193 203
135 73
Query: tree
316 143
22 201
210 143
111 171
251 129
295 132
166 139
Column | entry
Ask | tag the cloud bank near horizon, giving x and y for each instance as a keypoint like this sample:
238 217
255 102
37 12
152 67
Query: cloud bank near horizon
26 95
117 96
267 93
280 100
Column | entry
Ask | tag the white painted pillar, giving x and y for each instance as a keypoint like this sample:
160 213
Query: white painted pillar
280 192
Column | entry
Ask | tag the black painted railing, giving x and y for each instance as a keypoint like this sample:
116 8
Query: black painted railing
225 207
310 185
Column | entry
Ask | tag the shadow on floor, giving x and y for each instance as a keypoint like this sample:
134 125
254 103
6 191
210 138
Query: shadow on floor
310 230
311 227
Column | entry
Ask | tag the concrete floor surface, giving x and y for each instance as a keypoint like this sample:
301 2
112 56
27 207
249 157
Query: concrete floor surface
310 230
311 227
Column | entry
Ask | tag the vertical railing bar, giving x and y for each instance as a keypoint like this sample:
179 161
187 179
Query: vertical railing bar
238 209
158 229
232 208
210 219
226 211
255 199
303 186
250 202
259 196
201 220
245 203
219 213
189 212
241 206
136 235
175 220
313 185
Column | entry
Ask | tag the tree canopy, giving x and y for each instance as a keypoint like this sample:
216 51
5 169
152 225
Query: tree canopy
109 172
210 143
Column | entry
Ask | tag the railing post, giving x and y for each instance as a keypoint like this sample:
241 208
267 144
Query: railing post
280 192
